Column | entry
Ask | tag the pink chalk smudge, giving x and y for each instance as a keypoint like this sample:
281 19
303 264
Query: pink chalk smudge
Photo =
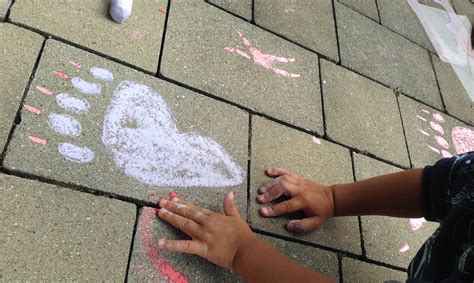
442 142
77 65
421 118
404 248
434 149
446 154
150 247
438 117
425 111
316 140
138 34
424 133
437 127
173 195
262 59
32 109
37 140
61 75
463 139
44 90
416 223
162 10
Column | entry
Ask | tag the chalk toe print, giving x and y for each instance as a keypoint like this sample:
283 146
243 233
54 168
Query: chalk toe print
441 140
260 58
139 132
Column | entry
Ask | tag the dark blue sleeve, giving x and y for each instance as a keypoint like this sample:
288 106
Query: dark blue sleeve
442 182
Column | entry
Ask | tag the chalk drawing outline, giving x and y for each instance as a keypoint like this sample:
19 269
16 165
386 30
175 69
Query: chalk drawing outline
260 58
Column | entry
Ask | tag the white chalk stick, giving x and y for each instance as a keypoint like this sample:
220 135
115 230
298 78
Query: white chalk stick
120 10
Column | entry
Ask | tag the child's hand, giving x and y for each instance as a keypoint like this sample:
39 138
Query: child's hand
315 200
216 237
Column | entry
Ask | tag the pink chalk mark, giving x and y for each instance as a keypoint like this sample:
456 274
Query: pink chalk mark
32 109
149 246
316 140
44 90
438 117
421 118
463 139
61 75
425 111
437 127
77 65
442 142
434 149
173 195
416 223
446 154
138 34
162 10
424 133
404 248
262 59
37 140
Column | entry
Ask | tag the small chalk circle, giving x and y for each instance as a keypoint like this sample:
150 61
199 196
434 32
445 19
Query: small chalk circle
120 10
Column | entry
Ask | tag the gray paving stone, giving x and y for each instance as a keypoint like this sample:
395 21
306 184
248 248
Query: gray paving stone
195 54
147 136
313 258
242 8
385 236
359 271
309 23
393 11
150 264
4 6
365 7
19 49
456 99
54 234
362 114
274 145
464 7
423 131
374 51
87 23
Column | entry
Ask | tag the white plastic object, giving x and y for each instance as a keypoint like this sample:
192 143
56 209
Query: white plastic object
120 10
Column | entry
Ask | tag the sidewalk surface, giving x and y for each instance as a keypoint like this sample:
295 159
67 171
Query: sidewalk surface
98 120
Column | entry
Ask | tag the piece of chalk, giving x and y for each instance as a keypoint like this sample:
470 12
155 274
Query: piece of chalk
120 10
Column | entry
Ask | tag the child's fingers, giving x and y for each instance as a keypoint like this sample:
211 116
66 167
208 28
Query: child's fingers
273 193
189 247
283 207
181 201
186 225
275 171
185 211
304 225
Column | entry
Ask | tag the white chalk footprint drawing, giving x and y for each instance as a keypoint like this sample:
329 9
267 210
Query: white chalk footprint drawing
140 133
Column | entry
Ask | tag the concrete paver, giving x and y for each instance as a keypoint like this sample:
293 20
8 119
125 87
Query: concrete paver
455 97
19 48
274 145
464 7
313 258
286 17
387 238
4 6
359 271
88 23
242 8
391 15
138 136
362 114
232 59
365 7
374 51
431 135
54 234
150 264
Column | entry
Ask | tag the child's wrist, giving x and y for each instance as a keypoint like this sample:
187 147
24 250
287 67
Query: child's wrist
244 251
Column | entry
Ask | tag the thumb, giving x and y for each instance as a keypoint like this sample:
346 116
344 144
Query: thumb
230 209
305 225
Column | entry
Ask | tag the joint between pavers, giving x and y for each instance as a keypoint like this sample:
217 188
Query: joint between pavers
374 262
134 232
337 33
231 13
322 97
253 12
163 38
404 132
341 273
17 119
437 83
249 168
378 11
7 14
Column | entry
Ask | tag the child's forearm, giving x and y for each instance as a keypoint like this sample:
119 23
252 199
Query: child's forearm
260 262
397 194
